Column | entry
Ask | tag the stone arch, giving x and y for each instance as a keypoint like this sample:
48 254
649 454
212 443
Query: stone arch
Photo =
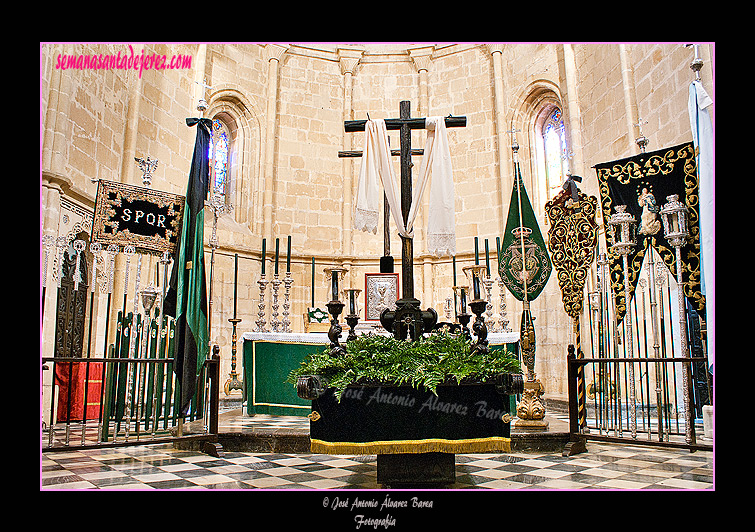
534 103
242 119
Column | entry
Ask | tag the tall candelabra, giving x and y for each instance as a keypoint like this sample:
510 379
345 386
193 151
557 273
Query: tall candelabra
286 321
462 316
477 305
335 307
233 382
674 216
262 282
487 282
622 226
502 319
352 318
274 321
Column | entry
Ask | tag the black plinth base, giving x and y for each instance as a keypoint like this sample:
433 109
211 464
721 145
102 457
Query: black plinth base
416 469
386 264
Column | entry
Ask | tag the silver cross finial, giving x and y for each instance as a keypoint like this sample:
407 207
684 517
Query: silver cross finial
697 62
642 140
202 104
147 166
514 143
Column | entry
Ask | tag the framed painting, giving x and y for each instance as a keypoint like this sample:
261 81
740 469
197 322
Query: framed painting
381 292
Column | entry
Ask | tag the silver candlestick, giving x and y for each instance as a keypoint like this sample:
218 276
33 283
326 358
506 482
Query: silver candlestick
502 319
623 234
274 321
262 282
487 281
287 282
674 215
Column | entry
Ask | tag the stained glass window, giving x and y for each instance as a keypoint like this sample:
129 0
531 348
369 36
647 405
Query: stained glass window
554 141
219 158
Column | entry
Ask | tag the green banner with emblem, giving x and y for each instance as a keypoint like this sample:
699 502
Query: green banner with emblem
529 268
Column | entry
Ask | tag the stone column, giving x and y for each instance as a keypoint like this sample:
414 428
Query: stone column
55 182
128 174
572 110
630 99
422 60
505 177
274 55
348 58
57 126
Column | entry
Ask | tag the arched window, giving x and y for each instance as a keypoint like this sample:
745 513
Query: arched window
219 152
554 151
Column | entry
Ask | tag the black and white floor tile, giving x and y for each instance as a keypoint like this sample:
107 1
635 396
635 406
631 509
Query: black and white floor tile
160 467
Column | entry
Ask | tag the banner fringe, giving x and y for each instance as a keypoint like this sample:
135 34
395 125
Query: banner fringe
431 445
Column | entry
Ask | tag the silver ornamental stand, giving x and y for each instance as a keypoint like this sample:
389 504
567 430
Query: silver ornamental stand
623 241
487 281
502 319
674 216
130 250
274 321
287 282
218 206
262 282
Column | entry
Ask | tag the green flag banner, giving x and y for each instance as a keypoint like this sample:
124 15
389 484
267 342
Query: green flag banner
533 267
186 299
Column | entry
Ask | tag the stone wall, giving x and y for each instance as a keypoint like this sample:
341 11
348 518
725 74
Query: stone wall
285 106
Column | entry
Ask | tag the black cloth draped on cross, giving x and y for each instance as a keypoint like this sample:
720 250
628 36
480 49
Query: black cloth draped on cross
643 183
186 299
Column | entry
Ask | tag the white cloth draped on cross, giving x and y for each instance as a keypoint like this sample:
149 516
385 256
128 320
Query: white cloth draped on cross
376 168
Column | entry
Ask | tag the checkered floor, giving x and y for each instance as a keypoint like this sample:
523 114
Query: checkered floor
155 467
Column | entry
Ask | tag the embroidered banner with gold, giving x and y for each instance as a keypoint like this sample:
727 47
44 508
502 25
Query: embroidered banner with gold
149 220
572 239
523 259
643 183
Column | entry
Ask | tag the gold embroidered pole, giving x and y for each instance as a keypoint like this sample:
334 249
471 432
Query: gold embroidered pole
572 240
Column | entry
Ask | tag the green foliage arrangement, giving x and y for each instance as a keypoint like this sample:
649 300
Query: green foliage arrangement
439 358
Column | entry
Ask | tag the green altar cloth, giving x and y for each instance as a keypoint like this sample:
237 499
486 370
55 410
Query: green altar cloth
268 360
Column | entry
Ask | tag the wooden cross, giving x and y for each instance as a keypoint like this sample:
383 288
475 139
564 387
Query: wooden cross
405 123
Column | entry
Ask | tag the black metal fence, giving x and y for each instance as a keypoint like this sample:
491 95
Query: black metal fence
633 400
124 399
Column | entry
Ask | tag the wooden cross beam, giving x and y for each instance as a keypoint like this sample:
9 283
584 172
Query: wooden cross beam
405 123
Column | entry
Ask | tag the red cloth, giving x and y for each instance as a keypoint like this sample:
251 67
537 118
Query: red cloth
76 374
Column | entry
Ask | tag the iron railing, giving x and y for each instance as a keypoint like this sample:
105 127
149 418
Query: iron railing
607 404
109 402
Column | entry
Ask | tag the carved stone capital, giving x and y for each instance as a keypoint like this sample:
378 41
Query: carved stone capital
349 58
53 180
421 57
275 51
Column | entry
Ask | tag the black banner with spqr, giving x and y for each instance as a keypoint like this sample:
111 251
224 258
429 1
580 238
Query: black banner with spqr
149 220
